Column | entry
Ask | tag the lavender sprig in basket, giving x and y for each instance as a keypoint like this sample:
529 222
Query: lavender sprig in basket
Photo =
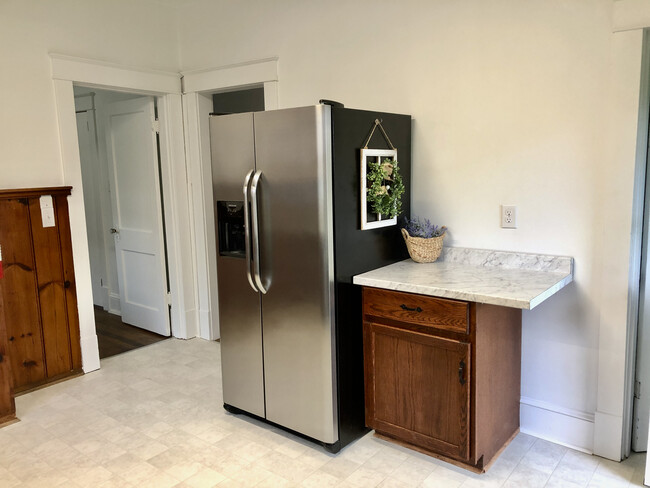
423 240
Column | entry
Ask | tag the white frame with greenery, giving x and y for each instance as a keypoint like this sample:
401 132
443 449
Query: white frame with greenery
365 154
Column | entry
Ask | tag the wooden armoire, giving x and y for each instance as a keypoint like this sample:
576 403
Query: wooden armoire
7 403
38 287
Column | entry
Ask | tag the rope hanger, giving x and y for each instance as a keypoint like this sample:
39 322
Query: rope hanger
381 128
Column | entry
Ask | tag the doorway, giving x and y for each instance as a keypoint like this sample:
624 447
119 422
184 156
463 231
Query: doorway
120 169
200 87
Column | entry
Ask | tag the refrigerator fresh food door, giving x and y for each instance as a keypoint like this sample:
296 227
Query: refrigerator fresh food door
233 158
294 213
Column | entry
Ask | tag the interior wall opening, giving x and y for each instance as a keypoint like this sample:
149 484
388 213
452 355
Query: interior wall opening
120 165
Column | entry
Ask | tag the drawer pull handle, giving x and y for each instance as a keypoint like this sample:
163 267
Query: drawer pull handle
417 309
461 372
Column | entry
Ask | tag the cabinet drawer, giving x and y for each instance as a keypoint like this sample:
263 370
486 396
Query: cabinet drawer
439 313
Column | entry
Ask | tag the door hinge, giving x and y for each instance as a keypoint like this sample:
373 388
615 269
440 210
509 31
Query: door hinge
637 389
169 298
155 126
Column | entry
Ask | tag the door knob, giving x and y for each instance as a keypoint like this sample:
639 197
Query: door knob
114 230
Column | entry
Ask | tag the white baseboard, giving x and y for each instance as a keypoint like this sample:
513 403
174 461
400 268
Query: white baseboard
114 305
204 325
564 426
191 323
102 299
608 437
90 353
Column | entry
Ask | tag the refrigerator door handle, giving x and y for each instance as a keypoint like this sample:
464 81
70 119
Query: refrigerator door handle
256 233
247 232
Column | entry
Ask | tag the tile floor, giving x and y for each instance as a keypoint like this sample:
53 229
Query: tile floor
153 418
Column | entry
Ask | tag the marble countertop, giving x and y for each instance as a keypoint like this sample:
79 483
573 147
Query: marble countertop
518 280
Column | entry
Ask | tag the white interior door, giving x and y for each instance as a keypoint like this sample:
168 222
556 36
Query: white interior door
137 214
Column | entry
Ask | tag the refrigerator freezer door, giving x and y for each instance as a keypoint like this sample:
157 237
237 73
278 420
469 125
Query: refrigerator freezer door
233 156
293 151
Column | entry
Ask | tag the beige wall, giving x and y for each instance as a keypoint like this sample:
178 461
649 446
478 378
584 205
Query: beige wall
511 104
140 34
119 31
529 103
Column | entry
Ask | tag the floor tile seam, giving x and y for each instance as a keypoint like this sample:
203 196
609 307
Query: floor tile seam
548 477
591 475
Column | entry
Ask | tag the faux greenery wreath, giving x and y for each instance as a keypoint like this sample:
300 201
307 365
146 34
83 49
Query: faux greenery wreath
385 188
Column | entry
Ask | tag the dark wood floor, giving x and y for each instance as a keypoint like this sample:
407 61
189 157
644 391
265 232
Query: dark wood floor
115 337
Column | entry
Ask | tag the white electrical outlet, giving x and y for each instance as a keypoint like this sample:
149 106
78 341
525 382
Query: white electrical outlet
509 216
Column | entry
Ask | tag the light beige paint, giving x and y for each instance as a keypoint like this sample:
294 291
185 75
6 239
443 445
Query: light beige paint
513 102
526 103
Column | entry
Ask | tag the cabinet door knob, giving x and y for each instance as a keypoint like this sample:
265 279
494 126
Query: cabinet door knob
66 284
461 372
404 307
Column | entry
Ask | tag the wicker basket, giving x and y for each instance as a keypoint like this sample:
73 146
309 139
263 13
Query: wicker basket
421 249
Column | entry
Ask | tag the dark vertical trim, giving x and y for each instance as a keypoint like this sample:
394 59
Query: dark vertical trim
162 208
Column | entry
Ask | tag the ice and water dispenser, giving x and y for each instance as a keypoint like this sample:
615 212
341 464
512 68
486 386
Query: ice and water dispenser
230 216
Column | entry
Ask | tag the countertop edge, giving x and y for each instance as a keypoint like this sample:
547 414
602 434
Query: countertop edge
443 293
551 291
491 299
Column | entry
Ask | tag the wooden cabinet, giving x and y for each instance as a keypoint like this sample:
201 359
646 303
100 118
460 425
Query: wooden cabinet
442 376
38 288
7 404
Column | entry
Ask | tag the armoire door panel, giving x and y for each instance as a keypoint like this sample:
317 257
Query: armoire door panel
20 291
69 283
7 404
47 256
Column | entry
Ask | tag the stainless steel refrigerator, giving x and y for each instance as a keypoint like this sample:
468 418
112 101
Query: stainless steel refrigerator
287 205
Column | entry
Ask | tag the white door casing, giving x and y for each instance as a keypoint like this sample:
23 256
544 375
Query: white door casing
67 70
90 173
137 212
198 87
641 418
638 372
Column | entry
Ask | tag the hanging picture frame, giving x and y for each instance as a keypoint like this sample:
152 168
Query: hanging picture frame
369 219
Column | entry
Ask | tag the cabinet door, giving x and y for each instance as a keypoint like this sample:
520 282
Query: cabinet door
7 404
417 388
19 288
52 287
